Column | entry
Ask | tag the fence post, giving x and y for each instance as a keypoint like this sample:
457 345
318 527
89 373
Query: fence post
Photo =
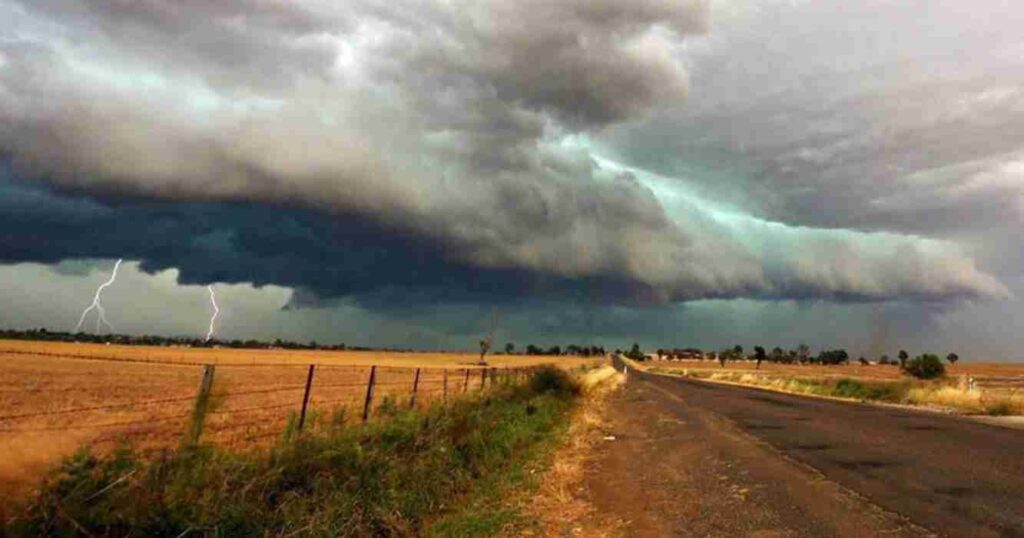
305 396
415 387
199 409
444 391
369 393
483 378
465 384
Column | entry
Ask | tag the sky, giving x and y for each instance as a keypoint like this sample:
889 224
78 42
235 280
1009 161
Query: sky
417 174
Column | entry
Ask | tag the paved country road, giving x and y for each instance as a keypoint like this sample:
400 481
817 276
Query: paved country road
695 458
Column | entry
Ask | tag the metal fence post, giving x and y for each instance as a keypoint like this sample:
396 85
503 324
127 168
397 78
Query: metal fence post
415 387
199 409
369 393
305 396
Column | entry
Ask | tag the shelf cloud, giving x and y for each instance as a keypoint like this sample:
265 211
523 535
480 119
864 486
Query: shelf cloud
467 150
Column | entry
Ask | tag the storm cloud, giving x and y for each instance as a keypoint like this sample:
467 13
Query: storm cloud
468 150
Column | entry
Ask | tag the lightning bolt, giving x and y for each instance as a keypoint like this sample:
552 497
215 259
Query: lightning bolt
213 301
101 315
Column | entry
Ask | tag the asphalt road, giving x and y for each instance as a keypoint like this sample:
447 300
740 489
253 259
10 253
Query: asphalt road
949 475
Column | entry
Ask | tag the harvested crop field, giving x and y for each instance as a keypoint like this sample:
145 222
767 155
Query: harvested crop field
56 397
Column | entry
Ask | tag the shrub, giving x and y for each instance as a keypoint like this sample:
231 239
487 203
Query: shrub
850 388
926 366
999 409
555 381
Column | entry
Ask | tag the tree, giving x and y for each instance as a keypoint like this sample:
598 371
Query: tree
722 356
952 358
635 353
778 355
510 348
803 353
832 357
925 366
485 346
903 358
738 351
863 361
884 360
759 355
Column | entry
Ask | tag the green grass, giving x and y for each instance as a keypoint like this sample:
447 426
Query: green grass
876 391
425 472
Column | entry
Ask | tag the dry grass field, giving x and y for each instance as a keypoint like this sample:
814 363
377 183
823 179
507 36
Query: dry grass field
55 397
984 373
998 387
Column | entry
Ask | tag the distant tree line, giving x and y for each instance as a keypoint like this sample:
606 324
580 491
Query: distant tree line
180 341
926 366
571 349
165 341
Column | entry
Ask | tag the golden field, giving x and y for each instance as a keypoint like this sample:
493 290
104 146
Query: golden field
998 387
985 374
55 397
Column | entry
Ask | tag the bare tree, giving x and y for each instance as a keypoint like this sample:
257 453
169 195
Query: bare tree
485 346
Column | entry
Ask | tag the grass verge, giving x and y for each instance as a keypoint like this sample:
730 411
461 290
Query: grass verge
555 506
407 475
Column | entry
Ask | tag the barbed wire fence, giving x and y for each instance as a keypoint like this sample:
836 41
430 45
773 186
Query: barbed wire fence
244 406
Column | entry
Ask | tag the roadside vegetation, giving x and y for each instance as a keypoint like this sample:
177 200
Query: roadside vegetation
412 473
555 507
920 380
944 393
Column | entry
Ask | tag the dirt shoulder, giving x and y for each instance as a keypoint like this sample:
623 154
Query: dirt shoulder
558 508
678 470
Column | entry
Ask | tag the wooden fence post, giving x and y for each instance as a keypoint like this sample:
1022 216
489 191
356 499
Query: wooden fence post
369 393
199 409
415 387
444 390
305 396
483 378
465 384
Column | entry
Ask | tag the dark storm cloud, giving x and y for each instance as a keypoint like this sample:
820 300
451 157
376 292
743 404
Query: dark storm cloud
449 137
323 257
902 116
337 256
